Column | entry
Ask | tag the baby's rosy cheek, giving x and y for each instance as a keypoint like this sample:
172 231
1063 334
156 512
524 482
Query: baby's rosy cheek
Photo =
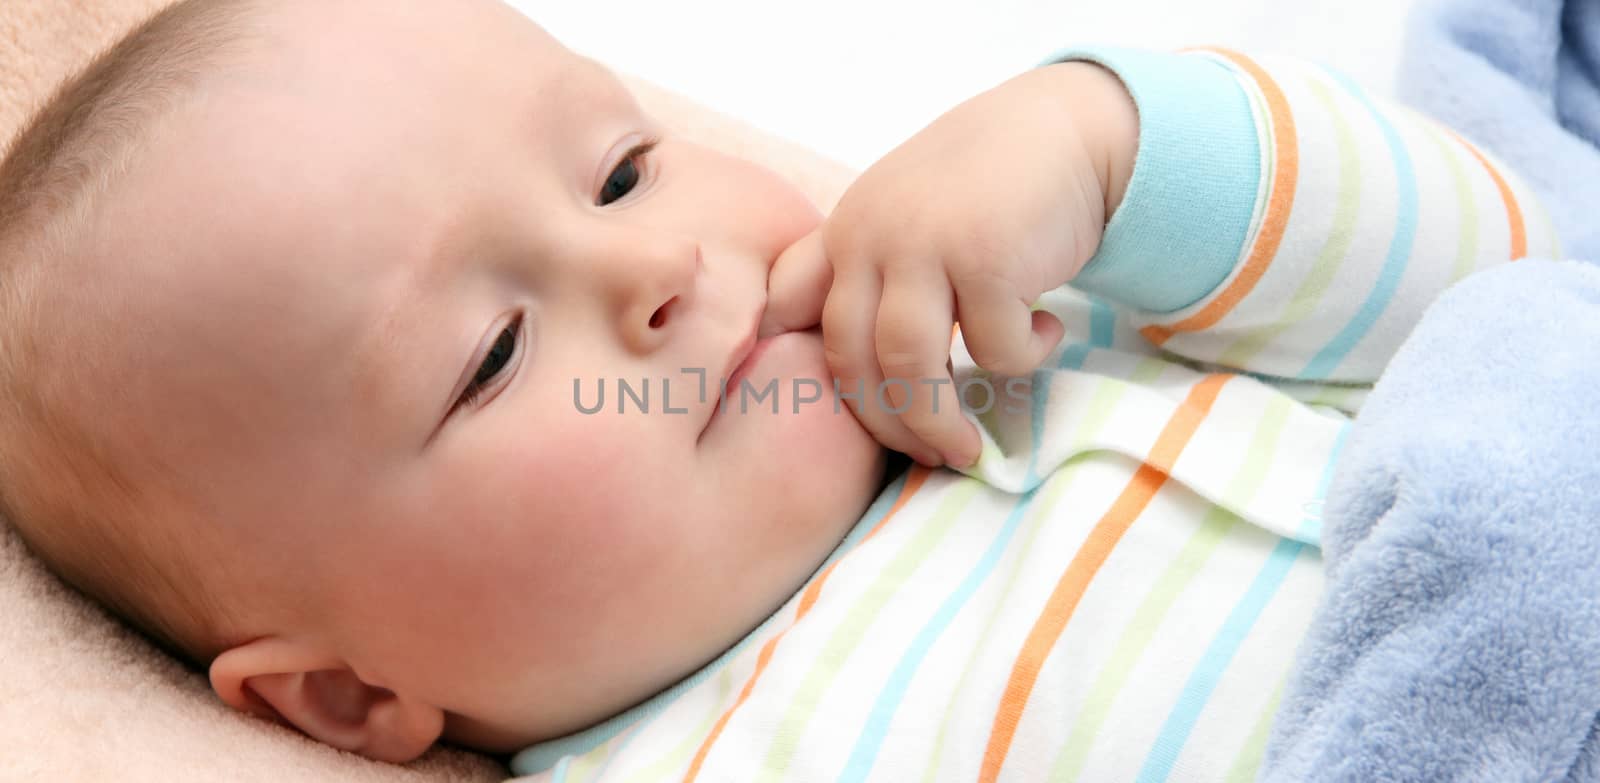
570 467
789 214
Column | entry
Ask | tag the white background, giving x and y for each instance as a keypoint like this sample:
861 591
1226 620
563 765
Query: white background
853 78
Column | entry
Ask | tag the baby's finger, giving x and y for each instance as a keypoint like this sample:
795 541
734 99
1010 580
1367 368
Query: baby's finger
914 320
797 287
849 321
1002 334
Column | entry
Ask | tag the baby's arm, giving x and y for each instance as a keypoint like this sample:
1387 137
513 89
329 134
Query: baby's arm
1266 216
1281 220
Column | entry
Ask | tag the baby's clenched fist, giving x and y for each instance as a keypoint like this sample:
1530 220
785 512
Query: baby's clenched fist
999 200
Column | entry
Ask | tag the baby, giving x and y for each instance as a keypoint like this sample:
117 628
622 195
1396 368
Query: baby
308 306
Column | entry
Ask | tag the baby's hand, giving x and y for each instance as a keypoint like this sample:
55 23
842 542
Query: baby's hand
998 201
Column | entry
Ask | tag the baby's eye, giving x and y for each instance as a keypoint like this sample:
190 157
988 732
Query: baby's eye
625 177
620 183
505 346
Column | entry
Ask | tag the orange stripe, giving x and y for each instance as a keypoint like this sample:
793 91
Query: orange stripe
1096 548
914 482
1286 173
1519 230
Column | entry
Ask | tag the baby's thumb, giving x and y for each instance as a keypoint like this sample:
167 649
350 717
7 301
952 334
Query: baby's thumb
797 287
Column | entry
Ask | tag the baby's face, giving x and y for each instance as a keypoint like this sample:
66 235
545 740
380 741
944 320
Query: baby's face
404 204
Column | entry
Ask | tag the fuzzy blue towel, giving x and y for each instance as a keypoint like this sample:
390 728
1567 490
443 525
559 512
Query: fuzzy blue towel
1521 77
1459 638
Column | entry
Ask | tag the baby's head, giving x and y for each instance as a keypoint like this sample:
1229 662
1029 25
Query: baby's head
297 296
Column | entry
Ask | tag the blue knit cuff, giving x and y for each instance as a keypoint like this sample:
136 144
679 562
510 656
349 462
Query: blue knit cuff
1181 226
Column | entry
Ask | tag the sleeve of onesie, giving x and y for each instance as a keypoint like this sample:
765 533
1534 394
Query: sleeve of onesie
1282 221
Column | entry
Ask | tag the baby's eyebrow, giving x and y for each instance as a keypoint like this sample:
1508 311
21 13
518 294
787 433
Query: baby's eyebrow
441 244
374 358
614 83
394 372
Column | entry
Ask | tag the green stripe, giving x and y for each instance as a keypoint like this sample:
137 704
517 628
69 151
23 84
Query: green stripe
588 766
1173 582
990 419
1248 762
1336 396
848 635
1052 492
1135 638
1334 250
1108 393
677 759
1269 156
1467 241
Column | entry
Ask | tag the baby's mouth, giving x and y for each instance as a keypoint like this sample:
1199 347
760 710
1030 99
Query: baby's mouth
742 370
741 356
726 394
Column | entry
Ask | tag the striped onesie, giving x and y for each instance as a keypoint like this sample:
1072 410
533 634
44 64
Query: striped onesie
1115 590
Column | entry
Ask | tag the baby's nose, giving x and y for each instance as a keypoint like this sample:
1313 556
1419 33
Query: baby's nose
654 284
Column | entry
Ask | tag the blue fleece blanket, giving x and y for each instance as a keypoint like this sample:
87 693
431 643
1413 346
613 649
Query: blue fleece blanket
1459 638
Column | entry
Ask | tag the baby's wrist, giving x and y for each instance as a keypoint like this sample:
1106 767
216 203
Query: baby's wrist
1104 115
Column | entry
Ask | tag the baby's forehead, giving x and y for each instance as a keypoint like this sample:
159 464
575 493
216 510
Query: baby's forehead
303 203
354 121
452 70
379 45
372 160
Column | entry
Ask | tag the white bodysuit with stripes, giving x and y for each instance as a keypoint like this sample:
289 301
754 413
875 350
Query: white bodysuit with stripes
1116 590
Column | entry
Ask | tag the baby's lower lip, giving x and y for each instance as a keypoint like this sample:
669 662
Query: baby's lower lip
757 399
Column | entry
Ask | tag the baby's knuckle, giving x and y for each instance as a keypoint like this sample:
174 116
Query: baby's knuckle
902 257
938 436
973 274
985 246
901 364
895 336
888 430
843 241
838 358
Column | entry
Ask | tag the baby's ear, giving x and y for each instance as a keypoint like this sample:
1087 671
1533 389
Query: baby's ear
289 682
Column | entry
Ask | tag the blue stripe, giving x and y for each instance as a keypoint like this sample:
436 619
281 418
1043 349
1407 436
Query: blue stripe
1311 524
1072 357
1041 393
870 740
1327 360
1101 320
1102 328
1203 680
623 745
1102 323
